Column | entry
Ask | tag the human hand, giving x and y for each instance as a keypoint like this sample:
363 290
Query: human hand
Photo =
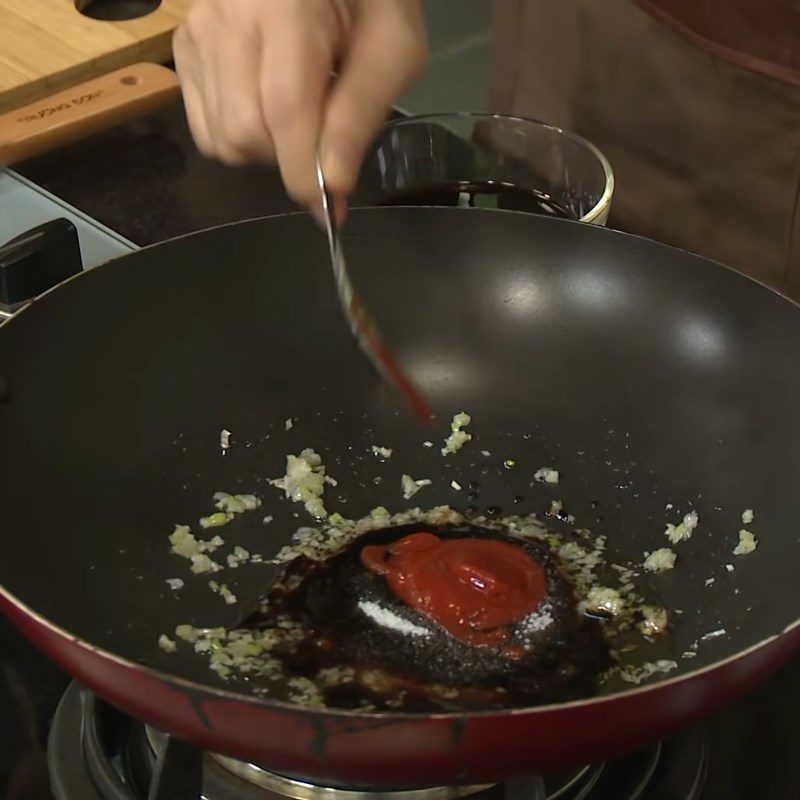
257 82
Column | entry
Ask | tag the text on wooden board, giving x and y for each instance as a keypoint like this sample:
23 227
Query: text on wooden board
48 111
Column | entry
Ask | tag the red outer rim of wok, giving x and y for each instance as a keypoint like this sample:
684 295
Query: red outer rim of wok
404 750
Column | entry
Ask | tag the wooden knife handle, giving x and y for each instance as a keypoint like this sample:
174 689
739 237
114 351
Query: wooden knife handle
85 109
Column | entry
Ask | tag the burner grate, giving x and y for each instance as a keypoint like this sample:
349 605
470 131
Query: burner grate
98 753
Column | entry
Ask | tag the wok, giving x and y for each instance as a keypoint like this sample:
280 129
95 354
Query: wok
647 375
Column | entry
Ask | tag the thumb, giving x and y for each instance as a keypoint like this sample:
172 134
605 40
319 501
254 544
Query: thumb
388 51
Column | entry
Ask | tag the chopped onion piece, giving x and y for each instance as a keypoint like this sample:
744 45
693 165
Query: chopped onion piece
603 599
410 487
683 531
637 674
224 592
654 620
183 541
660 560
215 520
235 503
237 557
167 644
304 481
546 475
201 563
186 632
185 545
747 543
458 436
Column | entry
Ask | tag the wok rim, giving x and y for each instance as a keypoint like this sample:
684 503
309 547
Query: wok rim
603 230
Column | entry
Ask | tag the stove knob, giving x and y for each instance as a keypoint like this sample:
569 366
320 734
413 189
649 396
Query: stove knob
37 260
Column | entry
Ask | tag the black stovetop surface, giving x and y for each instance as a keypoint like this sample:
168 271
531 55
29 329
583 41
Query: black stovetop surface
146 181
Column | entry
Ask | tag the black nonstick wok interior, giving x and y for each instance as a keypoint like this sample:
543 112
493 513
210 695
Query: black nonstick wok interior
647 376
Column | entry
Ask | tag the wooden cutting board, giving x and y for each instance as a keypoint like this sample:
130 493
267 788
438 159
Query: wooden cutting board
48 45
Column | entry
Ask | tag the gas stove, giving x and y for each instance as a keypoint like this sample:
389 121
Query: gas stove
140 184
95 752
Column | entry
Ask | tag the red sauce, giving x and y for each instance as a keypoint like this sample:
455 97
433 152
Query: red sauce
474 588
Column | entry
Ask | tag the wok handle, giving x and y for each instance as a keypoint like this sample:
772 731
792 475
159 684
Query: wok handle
36 261
85 109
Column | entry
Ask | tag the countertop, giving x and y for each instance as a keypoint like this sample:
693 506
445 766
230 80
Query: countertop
147 181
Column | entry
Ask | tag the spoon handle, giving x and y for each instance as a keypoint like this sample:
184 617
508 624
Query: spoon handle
361 323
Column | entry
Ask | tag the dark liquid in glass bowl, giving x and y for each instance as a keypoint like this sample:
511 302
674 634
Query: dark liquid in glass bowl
481 194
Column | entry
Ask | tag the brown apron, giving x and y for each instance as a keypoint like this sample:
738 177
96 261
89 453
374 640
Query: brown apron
706 152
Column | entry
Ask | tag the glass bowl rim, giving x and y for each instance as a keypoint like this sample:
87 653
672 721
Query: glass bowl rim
608 190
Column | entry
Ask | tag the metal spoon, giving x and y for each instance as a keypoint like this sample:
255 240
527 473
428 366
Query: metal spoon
361 323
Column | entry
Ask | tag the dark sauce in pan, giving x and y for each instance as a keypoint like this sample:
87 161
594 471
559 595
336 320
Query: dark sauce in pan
560 651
